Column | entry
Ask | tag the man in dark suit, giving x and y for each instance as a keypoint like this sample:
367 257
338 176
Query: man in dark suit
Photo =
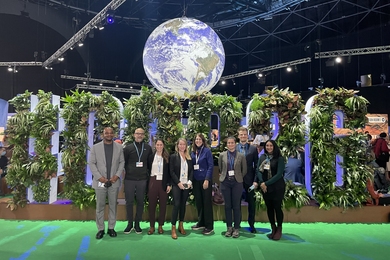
251 157
106 162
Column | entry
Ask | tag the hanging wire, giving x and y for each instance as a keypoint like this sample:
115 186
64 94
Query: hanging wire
184 8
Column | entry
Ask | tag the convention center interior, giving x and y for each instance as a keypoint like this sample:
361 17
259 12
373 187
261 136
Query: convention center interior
197 129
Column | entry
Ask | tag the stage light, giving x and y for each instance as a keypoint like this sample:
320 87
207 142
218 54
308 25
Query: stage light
10 69
48 68
80 44
289 69
338 60
61 58
110 17
84 82
100 84
223 82
15 70
259 75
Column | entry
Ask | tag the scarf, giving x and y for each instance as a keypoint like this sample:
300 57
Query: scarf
263 163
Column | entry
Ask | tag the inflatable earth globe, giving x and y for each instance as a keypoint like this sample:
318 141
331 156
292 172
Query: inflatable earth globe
183 55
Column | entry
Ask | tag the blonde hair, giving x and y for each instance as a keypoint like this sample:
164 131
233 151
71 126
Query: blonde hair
188 157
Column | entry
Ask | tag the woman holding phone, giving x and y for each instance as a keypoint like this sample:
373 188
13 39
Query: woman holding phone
181 170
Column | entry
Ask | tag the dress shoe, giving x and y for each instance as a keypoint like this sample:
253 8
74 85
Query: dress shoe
100 234
160 230
151 230
111 233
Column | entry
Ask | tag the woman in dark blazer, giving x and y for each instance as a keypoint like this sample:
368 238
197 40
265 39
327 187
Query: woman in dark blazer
181 169
202 160
232 167
159 186
269 172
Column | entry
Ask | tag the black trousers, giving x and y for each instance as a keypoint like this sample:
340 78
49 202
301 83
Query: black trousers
250 199
204 206
135 189
179 203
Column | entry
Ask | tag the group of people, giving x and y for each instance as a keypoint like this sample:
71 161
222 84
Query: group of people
157 173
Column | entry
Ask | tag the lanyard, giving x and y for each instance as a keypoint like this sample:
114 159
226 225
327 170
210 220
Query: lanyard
231 161
198 155
142 151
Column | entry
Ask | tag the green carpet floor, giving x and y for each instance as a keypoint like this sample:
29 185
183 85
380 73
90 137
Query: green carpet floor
76 240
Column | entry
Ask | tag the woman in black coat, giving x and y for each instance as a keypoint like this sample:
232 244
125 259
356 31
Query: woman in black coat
269 172
181 169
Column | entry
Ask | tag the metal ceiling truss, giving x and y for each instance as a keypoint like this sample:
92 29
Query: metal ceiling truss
273 67
351 52
114 82
80 35
110 89
21 64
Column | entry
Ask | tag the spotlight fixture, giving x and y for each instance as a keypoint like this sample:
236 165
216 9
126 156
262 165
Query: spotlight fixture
117 86
48 68
15 70
259 75
289 69
80 44
61 59
100 84
223 82
84 82
110 17
10 69
338 60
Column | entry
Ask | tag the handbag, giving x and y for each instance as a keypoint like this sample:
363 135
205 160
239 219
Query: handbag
217 195
384 156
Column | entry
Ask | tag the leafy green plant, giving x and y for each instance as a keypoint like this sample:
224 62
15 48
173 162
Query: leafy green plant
107 113
18 128
168 113
199 114
44 165
75 112
295 196
138 112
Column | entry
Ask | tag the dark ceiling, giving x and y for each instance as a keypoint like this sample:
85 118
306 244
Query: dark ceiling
254 33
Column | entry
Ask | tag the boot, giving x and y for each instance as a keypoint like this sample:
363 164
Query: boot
181 228
160 229
278 233
273 231
173 232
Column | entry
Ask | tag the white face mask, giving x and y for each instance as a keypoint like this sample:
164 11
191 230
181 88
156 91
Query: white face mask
3 153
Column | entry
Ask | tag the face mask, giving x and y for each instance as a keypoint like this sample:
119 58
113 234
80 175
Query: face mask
3 153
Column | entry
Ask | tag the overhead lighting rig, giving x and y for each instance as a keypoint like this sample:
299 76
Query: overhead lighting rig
350 52
112 89
113 5
20 64
273 67
101 81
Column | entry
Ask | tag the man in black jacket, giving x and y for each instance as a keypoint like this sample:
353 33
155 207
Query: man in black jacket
251 157
138 162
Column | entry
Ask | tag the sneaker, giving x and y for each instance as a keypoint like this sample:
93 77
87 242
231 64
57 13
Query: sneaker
128 229
229 232
138 230
207 231
236 233
196 227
